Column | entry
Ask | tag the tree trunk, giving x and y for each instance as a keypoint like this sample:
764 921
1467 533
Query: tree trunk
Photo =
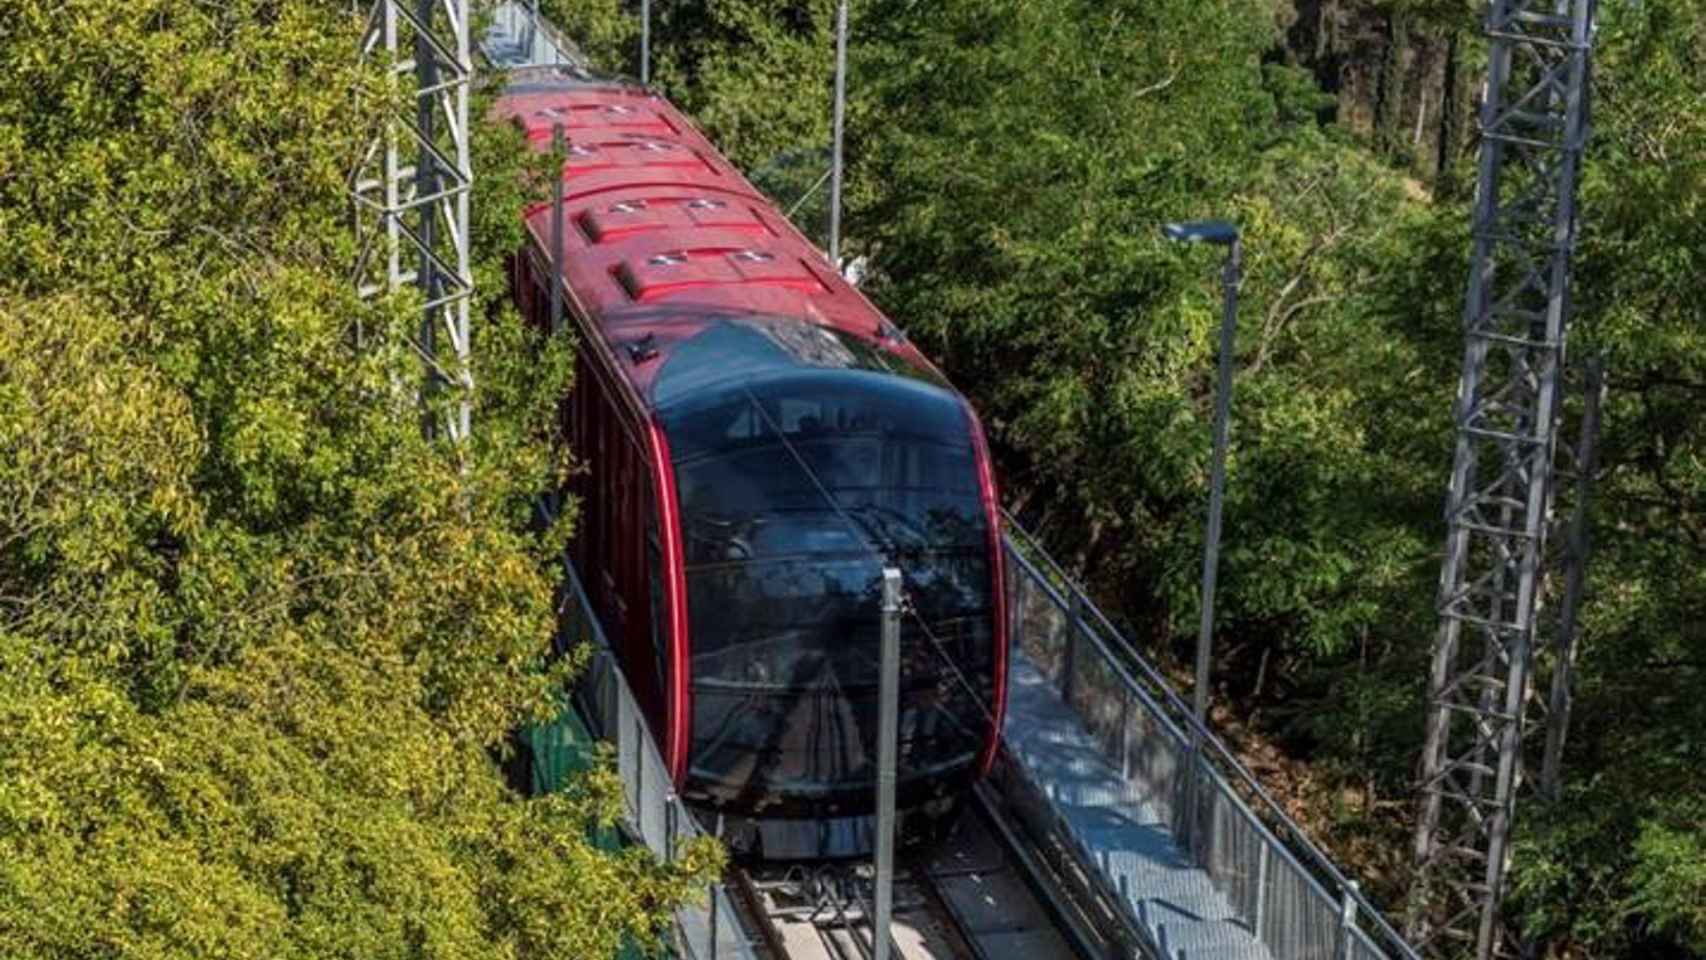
1389 105
1454 117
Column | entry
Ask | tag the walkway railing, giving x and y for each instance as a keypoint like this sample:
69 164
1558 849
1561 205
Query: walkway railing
1283 888
517 36
656 817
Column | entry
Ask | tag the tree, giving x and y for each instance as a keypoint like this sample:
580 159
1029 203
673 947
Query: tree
1023 181
259 640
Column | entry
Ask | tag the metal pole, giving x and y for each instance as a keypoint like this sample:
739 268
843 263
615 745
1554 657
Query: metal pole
645 41
669 828
531 28
1261 893
464 344
426 184
1558 716
1069 655
713 921
840 122
1125 739
639 739
1347 919
557 231
1217 482
393 178
888 723
1211 549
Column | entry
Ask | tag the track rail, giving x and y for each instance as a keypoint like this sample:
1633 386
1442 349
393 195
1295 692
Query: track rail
975 894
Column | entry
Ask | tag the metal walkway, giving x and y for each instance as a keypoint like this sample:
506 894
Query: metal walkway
1126 834
517 36
1155 810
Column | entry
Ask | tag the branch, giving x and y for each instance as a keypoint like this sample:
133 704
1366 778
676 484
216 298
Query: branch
1157 87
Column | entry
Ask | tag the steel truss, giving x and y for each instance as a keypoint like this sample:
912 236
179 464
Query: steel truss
1534 124
412 186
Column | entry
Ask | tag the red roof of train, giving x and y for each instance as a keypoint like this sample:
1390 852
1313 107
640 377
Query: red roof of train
656 218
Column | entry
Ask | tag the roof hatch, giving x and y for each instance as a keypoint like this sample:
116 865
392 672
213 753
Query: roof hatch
634 150
622 117
664 274
624 219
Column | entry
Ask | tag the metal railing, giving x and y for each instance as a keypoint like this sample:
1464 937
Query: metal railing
517 36
656 817
1281 886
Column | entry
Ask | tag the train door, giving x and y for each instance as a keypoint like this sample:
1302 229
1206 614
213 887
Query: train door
616 546
632 568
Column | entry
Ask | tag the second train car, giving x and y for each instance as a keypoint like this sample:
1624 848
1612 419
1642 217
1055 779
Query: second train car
761 441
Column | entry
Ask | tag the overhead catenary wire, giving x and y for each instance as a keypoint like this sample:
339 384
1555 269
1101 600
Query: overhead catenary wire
816 185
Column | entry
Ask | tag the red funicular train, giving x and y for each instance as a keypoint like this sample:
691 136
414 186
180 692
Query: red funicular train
761 442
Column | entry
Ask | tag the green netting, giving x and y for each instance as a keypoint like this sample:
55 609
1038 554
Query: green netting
560 750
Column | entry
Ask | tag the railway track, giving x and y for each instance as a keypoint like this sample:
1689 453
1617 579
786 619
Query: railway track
965 897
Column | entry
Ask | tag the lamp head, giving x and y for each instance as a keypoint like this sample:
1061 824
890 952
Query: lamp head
1218 232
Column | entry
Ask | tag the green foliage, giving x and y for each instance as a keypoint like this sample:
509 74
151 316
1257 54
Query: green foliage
605 31
756 74
259 640
1032 264
1670 876
740 68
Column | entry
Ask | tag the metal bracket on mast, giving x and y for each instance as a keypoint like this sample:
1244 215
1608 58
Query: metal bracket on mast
1517 312
412 184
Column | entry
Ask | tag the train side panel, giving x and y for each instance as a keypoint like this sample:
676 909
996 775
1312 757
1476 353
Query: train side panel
624 525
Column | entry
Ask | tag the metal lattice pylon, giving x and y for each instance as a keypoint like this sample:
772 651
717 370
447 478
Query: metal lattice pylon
413 181
1534 126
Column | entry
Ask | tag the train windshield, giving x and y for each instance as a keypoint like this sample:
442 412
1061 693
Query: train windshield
795 491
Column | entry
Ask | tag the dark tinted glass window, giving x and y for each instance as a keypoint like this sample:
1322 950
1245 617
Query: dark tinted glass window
751 347
794 493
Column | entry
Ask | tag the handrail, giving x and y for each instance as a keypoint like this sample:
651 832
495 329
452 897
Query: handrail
540 43
1180 719
1119 667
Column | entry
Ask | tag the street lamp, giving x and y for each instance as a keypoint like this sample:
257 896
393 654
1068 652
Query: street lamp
1224 234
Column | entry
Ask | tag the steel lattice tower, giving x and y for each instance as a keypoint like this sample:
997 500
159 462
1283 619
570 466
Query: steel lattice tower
1533 126
413 181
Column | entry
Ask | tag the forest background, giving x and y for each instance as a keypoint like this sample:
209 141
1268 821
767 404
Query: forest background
259 643
262 646
1011 164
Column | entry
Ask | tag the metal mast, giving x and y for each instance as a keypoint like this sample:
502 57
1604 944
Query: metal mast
1534 124
412 185
836 161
